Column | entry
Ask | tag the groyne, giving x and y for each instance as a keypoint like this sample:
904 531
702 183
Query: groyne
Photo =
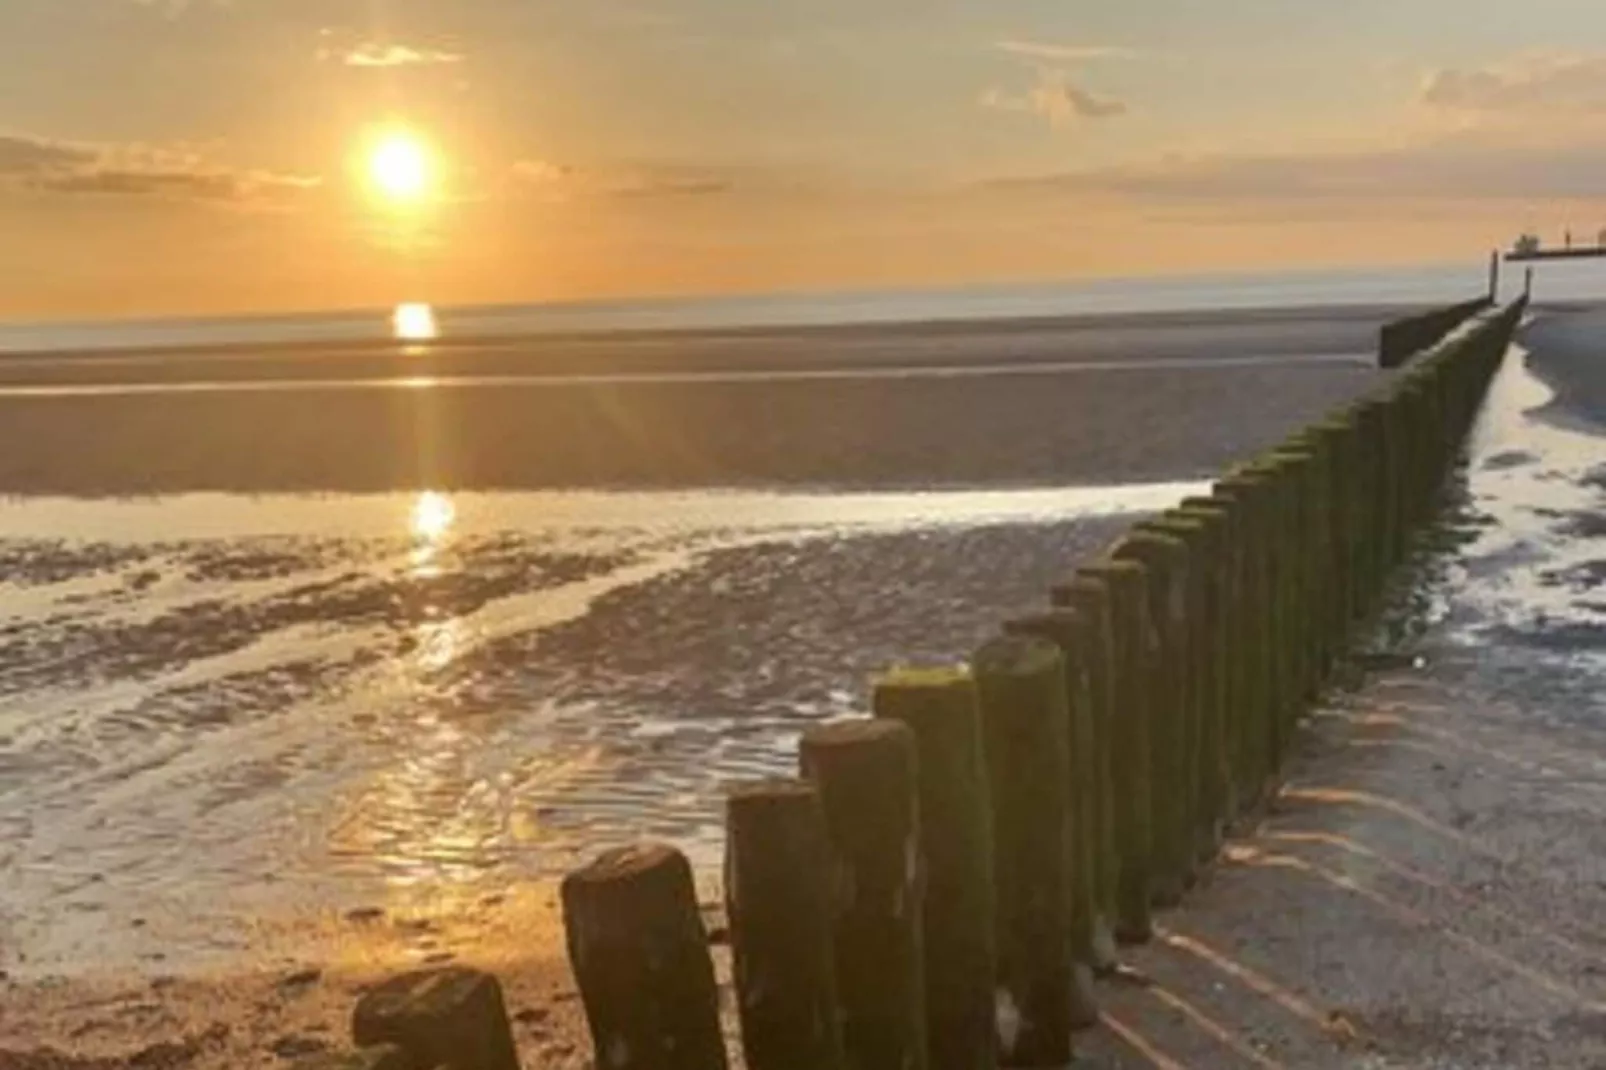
944 880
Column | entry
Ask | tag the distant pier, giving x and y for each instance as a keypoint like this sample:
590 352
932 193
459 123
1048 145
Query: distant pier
1577 252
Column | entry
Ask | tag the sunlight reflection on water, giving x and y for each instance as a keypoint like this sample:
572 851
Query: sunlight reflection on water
414 322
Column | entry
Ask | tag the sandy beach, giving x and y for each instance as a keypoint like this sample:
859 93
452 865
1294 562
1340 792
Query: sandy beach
262 747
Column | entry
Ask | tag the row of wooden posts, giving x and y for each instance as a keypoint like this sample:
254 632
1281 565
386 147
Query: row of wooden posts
1401 339
940 883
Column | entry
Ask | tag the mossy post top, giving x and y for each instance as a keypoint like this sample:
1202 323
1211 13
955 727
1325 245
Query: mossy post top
1017 655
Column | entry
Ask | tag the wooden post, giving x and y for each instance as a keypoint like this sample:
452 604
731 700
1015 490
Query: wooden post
1379 533
1255 669
1224 645
941 708
866 772
1197 670
1290 471
1334 438
640 959
1131 786
1279 502
1340 435
780 899
447 1017
1063 628
1024 729
1208 625
1321 525
1166 560
1494 275
1090 598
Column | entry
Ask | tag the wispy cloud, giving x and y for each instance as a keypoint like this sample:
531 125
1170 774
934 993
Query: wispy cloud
137 170
1056 99
541 172
634 182
370 54
1447 168
20 155
1062 53
1544 84
233 187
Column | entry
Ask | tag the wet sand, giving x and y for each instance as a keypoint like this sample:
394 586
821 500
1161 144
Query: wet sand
1567 351
986 404
1426 891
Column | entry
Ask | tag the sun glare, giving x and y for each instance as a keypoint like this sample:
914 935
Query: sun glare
414 322
432 516
401 167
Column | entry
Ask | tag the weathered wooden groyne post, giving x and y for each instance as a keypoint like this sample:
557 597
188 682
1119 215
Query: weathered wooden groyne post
1089 598
640 958
1025 734
1133 642
941 707
866 772
781 894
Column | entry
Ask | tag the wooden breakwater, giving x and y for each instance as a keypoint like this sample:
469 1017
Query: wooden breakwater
942 881
1401 339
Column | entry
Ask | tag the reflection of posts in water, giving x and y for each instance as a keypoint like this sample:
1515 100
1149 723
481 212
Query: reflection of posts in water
940 706
866 774
1024 732
780 899
640 958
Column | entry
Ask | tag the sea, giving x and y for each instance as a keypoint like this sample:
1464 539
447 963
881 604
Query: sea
415 317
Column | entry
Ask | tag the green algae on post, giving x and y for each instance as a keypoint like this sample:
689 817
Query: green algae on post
1090 598
1165 559
1065 630
866 773
1132 790
780 899
940 706
1025 727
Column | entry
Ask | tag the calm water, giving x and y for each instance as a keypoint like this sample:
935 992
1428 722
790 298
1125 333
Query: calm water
1192 293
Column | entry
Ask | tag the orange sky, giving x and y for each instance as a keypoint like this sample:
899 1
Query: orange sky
706 146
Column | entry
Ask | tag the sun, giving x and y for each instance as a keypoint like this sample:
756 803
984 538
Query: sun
401 167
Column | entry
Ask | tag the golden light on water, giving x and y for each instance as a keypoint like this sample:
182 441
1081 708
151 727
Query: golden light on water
432 518
414 322
430 524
